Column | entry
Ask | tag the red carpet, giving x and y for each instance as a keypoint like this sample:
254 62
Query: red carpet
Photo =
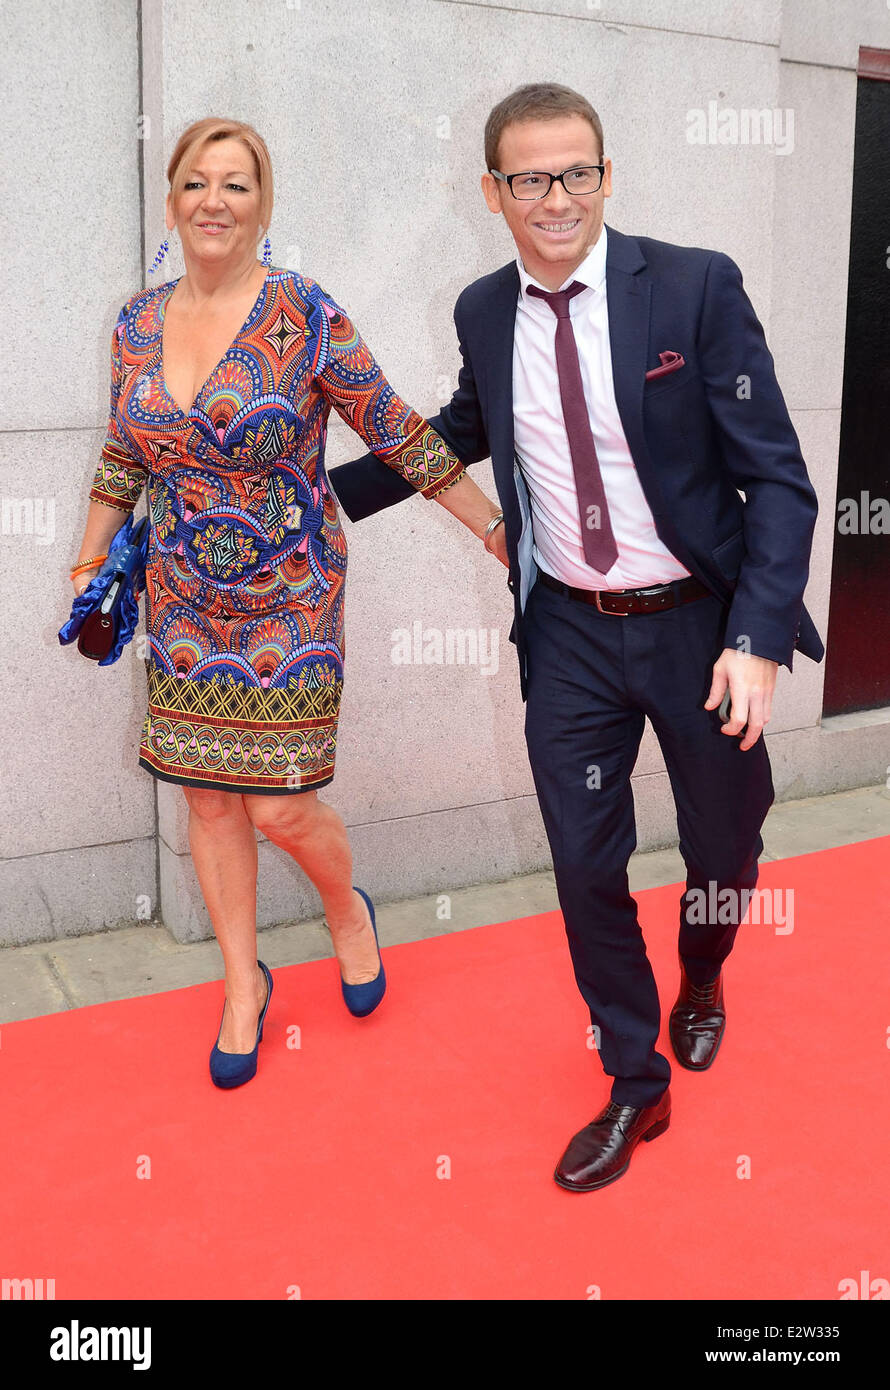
321 1174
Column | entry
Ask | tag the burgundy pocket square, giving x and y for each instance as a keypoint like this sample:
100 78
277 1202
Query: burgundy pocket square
670 362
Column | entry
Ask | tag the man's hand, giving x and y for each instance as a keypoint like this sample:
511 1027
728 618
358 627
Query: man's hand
751 681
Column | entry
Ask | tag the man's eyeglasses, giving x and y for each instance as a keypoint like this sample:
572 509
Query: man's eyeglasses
532 184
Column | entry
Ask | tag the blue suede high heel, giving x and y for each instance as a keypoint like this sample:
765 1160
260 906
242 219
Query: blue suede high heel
362 1000
228 1069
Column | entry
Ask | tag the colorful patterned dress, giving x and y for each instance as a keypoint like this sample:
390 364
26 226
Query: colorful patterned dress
246 569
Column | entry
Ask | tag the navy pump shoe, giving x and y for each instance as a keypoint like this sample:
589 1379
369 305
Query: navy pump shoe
228 1069
362 1000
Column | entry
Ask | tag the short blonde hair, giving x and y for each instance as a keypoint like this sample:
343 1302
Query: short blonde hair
199 133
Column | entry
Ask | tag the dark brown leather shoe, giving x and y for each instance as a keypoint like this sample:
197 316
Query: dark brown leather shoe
697 1022
602 1151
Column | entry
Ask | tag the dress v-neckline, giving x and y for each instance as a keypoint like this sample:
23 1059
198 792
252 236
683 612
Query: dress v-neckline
186 414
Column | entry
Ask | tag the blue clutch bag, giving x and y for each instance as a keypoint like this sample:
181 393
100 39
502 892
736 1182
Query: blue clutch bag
104 617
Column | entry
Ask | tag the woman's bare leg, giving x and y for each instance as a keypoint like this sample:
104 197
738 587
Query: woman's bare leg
315 836
224 853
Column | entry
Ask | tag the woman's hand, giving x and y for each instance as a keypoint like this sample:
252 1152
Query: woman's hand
103 522
80 581
497 545
469 504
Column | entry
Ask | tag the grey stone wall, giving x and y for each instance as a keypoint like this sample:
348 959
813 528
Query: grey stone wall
373 113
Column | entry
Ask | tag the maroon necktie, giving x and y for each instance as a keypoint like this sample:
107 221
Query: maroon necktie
600 550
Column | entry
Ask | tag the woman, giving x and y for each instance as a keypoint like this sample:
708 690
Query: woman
222 383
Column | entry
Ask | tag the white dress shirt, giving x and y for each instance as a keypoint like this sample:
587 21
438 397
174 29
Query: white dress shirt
542 446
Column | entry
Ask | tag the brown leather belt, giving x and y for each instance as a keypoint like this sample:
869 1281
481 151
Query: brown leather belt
621 602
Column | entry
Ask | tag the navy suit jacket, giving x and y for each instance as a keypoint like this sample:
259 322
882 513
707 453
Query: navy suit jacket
698 435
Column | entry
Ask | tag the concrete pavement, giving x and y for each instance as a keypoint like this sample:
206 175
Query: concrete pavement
48 977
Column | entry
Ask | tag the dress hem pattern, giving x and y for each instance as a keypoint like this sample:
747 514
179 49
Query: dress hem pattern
178 780
240 738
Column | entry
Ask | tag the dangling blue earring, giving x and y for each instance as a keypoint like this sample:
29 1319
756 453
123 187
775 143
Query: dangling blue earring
267 251
164 248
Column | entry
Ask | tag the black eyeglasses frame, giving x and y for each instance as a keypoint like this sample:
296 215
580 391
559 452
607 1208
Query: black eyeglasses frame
554 178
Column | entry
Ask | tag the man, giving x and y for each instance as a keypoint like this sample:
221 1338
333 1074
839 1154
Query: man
624 391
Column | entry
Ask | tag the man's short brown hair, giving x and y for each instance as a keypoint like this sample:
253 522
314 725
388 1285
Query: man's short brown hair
537 101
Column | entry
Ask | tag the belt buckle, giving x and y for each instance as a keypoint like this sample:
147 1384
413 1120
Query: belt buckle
607 611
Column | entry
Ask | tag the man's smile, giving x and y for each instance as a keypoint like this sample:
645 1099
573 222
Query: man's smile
557 231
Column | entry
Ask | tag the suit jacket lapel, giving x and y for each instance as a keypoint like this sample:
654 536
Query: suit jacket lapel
500 320
629 298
